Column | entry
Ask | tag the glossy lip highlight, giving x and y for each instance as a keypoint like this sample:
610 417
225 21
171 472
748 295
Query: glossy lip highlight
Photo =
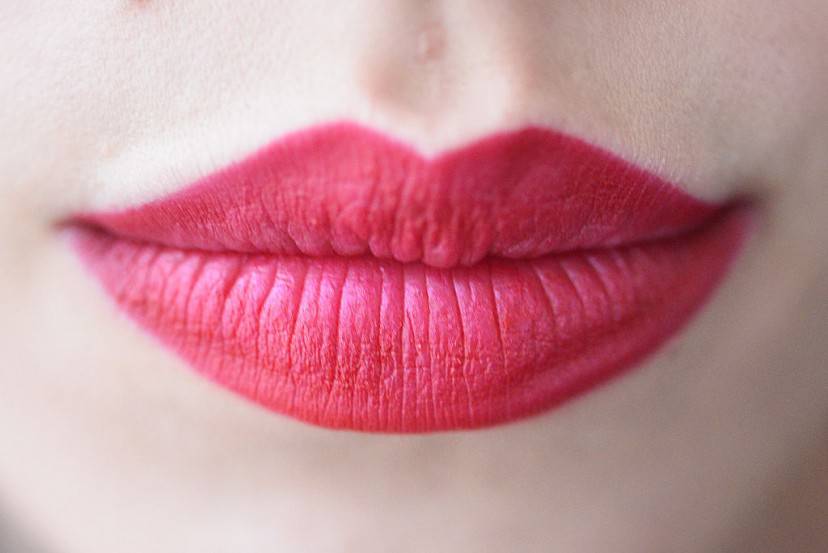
339 277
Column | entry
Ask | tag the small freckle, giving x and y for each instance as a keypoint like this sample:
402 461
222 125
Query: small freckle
430 43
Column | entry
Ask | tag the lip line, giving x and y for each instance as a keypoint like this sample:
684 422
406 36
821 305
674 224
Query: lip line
720 213
135 165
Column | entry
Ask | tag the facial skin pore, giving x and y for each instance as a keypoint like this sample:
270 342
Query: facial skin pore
109 443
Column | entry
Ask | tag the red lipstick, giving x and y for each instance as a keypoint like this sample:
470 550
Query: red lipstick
341 278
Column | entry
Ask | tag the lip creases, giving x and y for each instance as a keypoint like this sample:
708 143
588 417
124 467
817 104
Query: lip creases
338 277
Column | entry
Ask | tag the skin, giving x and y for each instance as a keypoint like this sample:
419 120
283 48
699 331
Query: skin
108 442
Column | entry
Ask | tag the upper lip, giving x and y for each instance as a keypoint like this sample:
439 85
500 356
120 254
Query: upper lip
342 189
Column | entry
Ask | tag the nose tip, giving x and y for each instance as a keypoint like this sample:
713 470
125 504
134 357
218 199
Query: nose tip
427 67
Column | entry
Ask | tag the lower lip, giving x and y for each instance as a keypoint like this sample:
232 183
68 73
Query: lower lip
378 345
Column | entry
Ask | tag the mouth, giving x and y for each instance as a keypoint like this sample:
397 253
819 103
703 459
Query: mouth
339 277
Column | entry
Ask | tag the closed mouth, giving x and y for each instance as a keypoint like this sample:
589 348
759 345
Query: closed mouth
339 277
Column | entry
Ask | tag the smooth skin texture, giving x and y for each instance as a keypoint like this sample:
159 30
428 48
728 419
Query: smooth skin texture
109 443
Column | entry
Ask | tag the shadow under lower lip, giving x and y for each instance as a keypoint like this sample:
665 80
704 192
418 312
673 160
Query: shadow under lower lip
365 344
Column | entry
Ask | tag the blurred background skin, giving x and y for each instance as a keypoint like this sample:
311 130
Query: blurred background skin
108 443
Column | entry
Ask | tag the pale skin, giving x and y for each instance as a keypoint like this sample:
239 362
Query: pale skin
108 442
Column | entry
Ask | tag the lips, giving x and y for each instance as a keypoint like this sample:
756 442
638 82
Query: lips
339 277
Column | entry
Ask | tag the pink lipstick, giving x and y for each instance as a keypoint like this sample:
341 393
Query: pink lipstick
339 277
